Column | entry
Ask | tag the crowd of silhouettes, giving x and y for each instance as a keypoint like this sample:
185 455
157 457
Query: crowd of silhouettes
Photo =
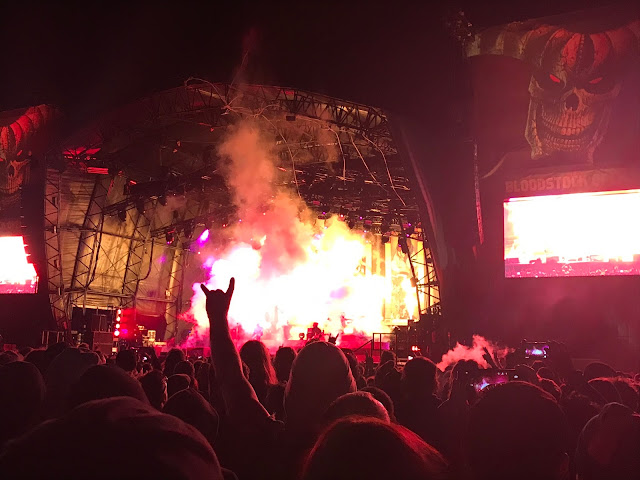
317 413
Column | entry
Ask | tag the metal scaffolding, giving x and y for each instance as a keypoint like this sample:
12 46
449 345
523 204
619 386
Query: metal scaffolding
88 244
426 283
137 251
52 247
175 290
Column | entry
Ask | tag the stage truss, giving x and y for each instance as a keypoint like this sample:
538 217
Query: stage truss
107 188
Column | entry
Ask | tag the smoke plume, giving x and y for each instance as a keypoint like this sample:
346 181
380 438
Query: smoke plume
291 269
269 220
476 353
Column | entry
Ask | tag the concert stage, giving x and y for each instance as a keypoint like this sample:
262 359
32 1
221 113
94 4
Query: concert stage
306 199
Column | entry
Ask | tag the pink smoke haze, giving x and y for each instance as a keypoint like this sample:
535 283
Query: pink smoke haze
475 352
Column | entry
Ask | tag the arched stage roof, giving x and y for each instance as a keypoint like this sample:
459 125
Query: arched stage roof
117 189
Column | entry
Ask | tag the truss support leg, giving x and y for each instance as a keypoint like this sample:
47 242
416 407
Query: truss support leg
88 244
174 292
52 248
135 259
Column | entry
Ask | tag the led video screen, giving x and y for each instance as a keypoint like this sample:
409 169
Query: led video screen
17 275
572 235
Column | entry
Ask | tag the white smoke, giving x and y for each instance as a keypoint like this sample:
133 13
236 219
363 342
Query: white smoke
291 269
475 352
271 220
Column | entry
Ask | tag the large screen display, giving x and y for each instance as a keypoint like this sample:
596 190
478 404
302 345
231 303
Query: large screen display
579 234
17 275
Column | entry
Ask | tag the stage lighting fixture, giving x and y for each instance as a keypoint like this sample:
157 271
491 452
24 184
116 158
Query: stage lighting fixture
122 215
162 200
140 206
409 229
170 237
188 231
204 236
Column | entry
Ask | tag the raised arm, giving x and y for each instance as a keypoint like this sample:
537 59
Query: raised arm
242 403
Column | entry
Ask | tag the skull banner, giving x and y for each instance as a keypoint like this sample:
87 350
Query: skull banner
17 134
578 66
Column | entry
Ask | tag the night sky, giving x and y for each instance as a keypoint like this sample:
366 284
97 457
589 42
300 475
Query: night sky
90 57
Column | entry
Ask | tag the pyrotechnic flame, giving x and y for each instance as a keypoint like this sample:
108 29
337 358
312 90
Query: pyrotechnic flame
319 289
291 269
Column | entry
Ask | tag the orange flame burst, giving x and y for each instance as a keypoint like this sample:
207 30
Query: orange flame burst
331 286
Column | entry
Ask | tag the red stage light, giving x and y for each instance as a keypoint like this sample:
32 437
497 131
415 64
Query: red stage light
554 79
116 333
98 170
117 325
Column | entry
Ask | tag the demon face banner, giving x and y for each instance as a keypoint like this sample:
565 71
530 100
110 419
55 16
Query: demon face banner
582 92
19 138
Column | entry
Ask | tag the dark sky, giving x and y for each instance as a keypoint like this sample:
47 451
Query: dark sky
92 56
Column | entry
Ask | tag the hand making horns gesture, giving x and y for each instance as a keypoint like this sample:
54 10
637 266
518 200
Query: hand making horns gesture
217 300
